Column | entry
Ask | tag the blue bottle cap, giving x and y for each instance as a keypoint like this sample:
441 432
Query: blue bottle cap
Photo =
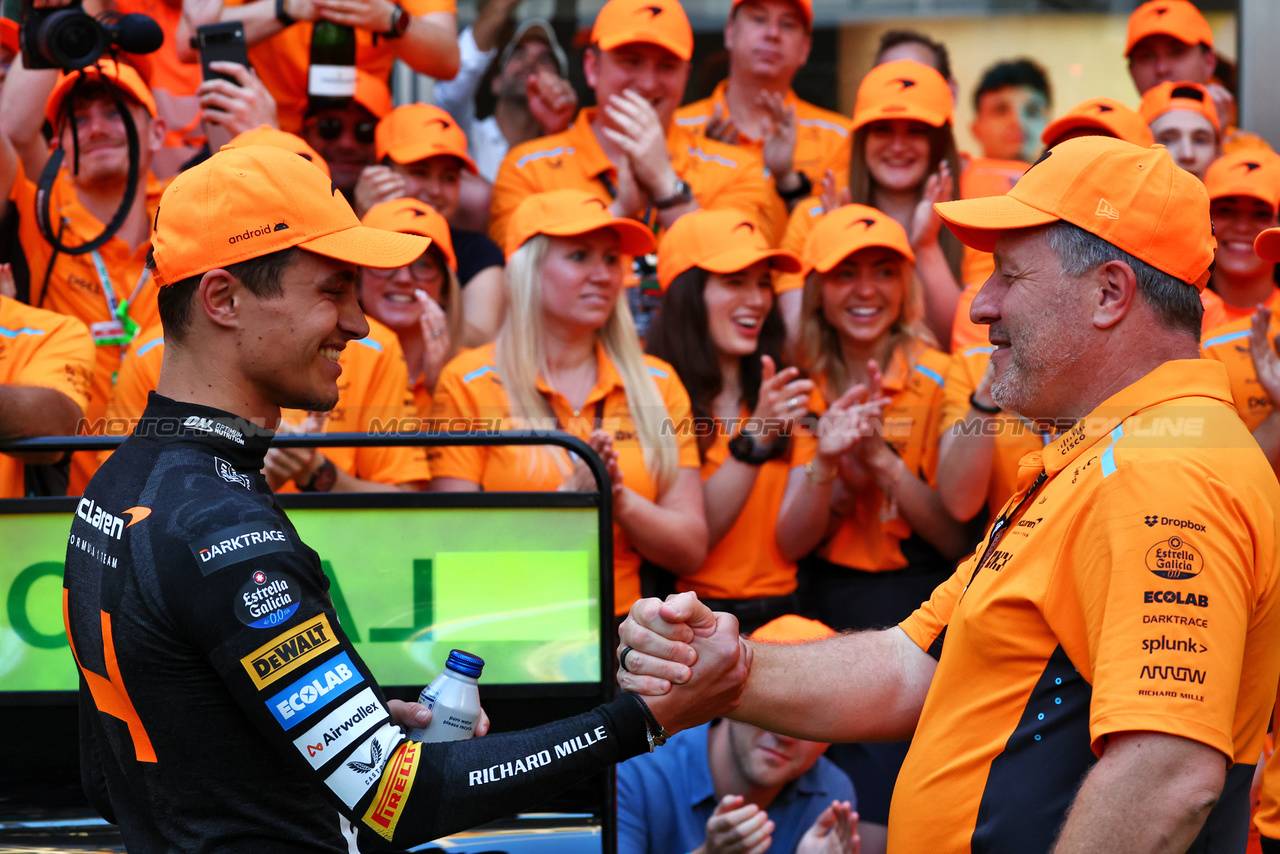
465 663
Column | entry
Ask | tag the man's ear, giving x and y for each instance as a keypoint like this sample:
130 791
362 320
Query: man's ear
590 65
153 139
220 297
1115 293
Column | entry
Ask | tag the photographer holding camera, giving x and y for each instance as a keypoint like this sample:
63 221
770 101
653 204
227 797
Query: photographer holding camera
102 180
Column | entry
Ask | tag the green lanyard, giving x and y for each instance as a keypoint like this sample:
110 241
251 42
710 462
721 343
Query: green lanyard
122 328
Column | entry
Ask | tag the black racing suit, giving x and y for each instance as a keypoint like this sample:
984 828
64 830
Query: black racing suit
222 708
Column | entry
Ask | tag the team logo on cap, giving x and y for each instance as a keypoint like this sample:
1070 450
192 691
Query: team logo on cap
444 123
1103 108
334 187
747 225
866 221
417 212
907 83
595 201
1105 208
654 11
1162 10
1250 165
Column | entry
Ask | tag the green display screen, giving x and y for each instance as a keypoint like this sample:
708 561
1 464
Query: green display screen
517 586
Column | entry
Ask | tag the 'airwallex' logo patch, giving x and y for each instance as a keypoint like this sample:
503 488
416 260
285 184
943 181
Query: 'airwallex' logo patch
268 598
238 543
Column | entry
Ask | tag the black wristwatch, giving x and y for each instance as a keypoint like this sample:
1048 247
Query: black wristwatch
400 20
745 449
283 16
803 189
324 478
682 196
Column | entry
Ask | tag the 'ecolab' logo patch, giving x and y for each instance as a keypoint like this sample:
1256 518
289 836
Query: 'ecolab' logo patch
314 691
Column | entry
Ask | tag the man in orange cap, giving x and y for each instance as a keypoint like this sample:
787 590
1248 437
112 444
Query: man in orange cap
183 573
345 136
422 153
1183 119
1098 117
1113 645
108 288
1169 41
628 151
727 786
768 41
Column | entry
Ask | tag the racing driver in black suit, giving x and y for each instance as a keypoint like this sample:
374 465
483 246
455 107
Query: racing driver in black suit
222 708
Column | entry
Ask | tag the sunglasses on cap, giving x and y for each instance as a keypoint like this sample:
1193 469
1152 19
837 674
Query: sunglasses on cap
332 128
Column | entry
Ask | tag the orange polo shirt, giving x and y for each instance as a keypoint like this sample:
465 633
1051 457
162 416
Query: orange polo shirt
283 60
799 224
870 534
1134 591
42 349
1267 818
76 289
823 138
1229 345
1012 435
469 393
747 563
721 176
373 396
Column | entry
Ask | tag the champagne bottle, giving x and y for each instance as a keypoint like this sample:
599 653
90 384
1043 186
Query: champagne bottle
331 79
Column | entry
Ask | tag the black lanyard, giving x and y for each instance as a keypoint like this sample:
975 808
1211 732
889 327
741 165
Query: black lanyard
997 530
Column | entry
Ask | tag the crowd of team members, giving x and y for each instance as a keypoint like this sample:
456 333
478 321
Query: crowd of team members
746 305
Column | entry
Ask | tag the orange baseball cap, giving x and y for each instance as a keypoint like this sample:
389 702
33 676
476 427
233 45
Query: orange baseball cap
1136 198
1106 115
903 89
267 135
415 132
719 241
9 34
1182 95
805 7
839 233
792 628
247 202
373 94
123 77
567 213
1179 19
660 22
410 216
1252 172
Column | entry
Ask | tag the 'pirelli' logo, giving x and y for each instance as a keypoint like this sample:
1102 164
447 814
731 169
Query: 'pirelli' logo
287 652
393 791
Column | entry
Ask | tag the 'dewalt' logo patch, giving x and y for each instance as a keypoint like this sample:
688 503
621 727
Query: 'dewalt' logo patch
287 652
1175 559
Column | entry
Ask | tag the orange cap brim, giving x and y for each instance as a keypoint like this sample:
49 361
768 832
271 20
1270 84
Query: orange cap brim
618 39
634 238
978 223
414 152
369 247
1267 245
740 258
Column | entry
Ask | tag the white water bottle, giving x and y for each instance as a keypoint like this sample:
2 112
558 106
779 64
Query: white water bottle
454 700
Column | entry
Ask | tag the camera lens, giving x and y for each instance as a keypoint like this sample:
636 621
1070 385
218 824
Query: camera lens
71 39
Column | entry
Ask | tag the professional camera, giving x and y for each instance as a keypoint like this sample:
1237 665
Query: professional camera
68 38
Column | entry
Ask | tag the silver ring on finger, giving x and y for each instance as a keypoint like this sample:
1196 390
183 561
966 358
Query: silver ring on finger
793 402
436 333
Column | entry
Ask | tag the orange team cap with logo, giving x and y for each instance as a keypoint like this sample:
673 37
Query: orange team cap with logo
415 132
123 77
1137 199
839 233
1178 19
1106 115
1252 172
805 7
247 202
792 628
267 135
660 22
373 94
903 89
1182 95
719 241
568 213
410 216
9 34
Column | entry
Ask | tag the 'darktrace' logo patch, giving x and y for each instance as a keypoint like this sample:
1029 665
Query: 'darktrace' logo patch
238 543
1175 559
